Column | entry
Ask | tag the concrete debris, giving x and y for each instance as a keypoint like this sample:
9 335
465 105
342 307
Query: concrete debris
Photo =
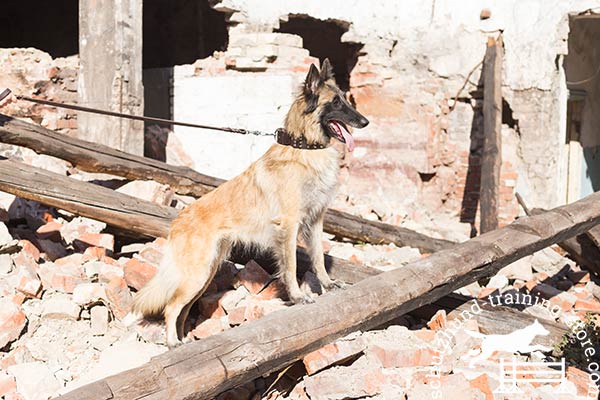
66 288
5 236
149 191
99 319
61 307
35 381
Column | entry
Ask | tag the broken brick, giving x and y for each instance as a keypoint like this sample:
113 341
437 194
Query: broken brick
12 321
96 253
138 273
333 353
207 328
210 306
63 277
29 285
29 248
119 297
253 277
88 293
109 271
99 320
438 321
591 305
237 316
406 357
257 309
7 383
88 239
230 299
50 231
60 308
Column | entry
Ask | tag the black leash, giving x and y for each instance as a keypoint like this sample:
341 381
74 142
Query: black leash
160 121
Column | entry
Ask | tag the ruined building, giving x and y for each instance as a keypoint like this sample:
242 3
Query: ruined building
238 62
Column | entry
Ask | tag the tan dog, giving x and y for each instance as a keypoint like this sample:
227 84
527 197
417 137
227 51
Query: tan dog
283 194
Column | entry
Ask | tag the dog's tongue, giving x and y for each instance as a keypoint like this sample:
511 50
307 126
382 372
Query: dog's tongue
347 136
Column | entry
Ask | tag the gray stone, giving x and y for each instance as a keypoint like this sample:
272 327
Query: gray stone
548 261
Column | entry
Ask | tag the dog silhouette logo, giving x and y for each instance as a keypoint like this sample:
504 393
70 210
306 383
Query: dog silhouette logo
518 341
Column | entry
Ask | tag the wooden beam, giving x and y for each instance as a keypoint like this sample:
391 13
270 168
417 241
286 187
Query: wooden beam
94 157
492 141
110 73
85 199
582 248
361 230
207 367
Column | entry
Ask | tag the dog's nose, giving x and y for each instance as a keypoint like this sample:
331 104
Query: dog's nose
363 122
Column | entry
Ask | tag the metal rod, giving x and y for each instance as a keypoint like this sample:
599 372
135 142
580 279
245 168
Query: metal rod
135 117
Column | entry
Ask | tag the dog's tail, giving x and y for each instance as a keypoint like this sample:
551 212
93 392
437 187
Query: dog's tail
154 296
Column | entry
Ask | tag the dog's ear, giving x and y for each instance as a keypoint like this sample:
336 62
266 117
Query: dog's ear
313 81
326 70
311 87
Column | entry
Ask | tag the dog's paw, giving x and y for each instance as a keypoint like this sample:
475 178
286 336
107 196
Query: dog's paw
302 299
172 344
336 284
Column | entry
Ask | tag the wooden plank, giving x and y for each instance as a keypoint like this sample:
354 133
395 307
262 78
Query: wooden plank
361 230
85 199
207 367
492 141
94 157
581 248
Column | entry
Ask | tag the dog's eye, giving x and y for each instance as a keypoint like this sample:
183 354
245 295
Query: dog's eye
337 103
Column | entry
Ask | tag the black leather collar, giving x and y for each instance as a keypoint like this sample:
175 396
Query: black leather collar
284 138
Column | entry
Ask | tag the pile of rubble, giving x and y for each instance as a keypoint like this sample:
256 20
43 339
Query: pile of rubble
67 282
65 288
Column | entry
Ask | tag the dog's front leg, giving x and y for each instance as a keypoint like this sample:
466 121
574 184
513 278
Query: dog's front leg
314 242
287 236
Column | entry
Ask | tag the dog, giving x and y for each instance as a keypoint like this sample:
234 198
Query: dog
282 195
517 341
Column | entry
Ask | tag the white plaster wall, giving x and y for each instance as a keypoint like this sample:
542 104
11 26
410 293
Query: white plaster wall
440 38
250 101
534 30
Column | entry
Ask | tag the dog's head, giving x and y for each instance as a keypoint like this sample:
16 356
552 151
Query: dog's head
322 112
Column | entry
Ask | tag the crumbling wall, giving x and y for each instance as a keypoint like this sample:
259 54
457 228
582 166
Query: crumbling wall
420 156
34 73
